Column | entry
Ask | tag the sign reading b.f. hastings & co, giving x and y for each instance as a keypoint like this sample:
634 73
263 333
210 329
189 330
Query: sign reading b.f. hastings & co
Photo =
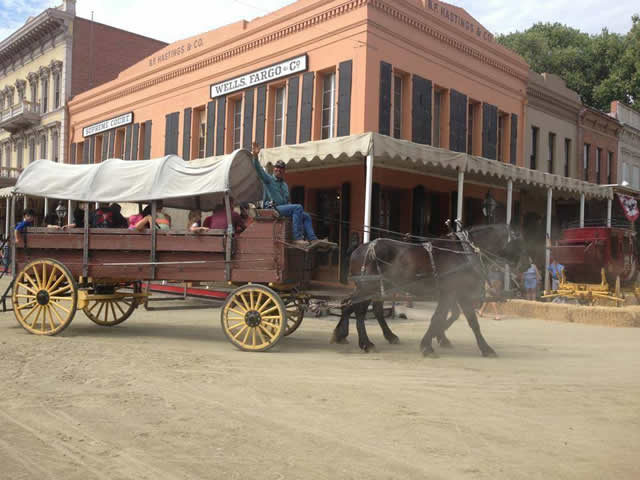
279 70
118 121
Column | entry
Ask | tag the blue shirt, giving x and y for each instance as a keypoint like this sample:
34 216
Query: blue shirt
23 224
556 270
275 189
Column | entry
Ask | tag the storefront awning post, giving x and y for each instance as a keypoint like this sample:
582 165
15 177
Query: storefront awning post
46 206
69 212
582 210
547 259
507 269
609 212
460 197
367 198
6 220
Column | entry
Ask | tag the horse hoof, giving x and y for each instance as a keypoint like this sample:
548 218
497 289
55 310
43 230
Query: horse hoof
339 340
489 353
368 348
429 353
393 340
445 343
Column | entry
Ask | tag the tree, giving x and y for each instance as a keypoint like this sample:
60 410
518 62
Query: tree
601 68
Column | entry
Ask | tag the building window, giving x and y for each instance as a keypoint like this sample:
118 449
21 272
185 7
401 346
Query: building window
7 158
609 163
118 151
470 128
585 162
43 146
20 149
567 156
54 146
32 150
202 131
237 123
328 105
278 117
397 106
598 163
534 148
45 95
437 116
56 88
502 143
552 152
34 93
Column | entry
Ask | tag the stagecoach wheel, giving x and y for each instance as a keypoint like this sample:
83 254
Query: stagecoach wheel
44 297
295 313
109 312
253 318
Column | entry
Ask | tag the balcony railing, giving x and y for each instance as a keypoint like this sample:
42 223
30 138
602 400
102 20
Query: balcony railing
22 115
10 172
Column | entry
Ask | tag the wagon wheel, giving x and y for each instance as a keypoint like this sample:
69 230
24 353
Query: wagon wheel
295 313
44 297
109 312
253 318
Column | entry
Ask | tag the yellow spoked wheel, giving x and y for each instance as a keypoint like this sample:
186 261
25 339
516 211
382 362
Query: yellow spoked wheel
112 310
254 318
295 313
44 297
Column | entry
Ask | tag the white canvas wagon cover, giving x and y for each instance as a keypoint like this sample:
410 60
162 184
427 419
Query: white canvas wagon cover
199 184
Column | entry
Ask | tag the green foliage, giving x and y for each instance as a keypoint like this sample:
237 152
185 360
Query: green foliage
601 68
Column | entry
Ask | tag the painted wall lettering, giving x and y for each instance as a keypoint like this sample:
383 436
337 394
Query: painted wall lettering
176 51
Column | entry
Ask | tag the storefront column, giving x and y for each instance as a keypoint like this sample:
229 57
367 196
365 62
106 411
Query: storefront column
609 212
69 212
460 196
25 204
46 206
582 210
6 222
507 269
367 199
547 259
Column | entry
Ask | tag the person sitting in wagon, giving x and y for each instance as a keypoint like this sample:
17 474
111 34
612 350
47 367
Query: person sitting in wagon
276 192
163 220
218 220
27 221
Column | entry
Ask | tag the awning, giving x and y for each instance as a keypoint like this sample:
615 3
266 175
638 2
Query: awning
199 184
6 192
391 151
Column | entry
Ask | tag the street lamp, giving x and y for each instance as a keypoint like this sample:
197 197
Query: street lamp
489 207
61 212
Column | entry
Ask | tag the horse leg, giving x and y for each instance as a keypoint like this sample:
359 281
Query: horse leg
435 326
341 332
378 309
443 341
363 339
470 313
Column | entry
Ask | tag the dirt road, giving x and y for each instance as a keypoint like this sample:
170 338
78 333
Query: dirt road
164 396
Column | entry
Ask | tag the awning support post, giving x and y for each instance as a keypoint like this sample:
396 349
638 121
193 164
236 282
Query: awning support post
229 238
367 198
46 206
582 210
69 212
7 232
11 234
152 226
460 196
609 205
547 259
507 268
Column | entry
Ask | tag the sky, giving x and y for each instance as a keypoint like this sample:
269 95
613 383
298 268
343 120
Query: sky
172 21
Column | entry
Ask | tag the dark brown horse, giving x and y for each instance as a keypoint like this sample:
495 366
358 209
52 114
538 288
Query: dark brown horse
452 265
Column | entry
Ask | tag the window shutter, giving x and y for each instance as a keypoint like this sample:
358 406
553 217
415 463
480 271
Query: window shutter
514 138
127 142
147 139
247 123
421 110
222 110
171 133
134 141
384 122
344 98
105 146
112 143
186 134
211 123
92 149
292 109
306 110
458 123
261 109
72 155
489 131
85 151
